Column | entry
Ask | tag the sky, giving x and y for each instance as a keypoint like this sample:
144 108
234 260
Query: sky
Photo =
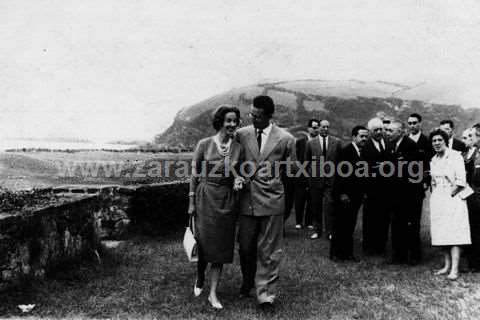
120 70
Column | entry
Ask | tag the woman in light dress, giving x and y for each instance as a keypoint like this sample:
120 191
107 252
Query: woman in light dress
212 200
449 226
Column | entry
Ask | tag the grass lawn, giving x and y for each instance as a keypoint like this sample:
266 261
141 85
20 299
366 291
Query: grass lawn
149 278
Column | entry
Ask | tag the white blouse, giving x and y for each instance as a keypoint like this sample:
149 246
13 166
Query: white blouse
450 168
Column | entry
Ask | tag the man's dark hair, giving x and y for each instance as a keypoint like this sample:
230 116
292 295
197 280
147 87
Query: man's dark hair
265 103
219 115
448 121
476 126
311 121
416 115
438 132
357 129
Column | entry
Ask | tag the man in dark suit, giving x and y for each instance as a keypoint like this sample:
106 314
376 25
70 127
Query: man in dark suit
376 211
322 155
425 154
453 143
407 170
349 192
303 211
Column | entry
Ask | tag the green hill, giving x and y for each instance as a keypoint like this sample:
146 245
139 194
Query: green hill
344 103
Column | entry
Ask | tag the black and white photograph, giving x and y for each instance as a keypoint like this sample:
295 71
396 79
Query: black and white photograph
239 159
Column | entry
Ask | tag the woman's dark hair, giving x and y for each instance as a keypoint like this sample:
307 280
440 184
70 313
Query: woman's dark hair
219 115
438 132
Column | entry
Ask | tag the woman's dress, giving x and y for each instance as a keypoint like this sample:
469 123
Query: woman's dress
448 215
215 200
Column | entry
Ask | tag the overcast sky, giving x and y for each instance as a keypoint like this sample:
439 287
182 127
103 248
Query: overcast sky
115 69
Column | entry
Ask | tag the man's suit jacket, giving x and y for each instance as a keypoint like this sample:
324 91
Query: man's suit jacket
425 153
376 182
351 184
314 154
459 145
402 156
300 147
264 193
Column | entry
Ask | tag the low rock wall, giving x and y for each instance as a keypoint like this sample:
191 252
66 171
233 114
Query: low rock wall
36 240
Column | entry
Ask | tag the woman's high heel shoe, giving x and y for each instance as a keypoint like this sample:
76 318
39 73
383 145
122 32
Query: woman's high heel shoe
196 290
452 277
216 305
440 272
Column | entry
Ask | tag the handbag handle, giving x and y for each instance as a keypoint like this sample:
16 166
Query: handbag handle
191 224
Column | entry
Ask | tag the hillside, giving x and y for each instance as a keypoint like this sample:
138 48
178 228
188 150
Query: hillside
27 170
343 103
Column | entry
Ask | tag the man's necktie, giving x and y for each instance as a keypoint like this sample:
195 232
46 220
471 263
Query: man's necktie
324 147
259 138
382 149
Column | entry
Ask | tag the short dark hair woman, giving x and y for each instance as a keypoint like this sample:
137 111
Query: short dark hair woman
212 198
449 225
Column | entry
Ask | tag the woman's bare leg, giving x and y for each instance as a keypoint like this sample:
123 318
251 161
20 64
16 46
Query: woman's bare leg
455 254
215 273
201 267
446 264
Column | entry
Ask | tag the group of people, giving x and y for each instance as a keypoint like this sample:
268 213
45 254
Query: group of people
393 199
258 200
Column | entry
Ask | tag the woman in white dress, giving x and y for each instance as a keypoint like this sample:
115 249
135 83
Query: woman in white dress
449 226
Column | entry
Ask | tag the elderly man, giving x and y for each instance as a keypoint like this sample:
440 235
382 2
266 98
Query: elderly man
262 201
322 152
408 171
376 213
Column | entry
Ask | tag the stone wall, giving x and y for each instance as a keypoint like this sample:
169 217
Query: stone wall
36 240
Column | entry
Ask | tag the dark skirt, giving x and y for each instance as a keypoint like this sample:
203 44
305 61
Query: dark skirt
215 221
473 253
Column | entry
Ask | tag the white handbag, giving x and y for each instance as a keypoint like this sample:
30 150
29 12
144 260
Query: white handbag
465 193
189 242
